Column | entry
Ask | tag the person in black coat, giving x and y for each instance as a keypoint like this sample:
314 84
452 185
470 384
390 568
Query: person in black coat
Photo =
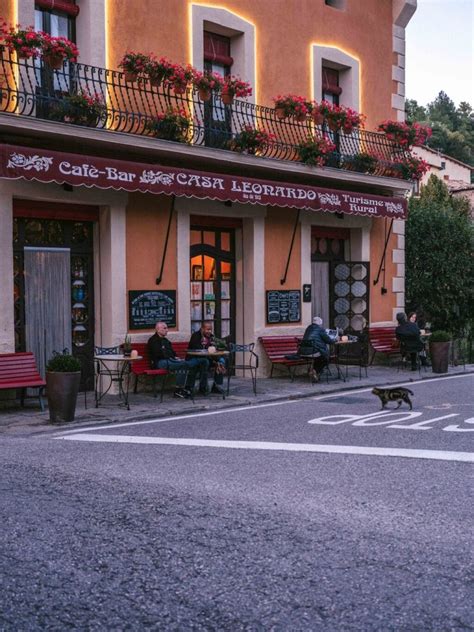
203 339
163 356
408 333
316 340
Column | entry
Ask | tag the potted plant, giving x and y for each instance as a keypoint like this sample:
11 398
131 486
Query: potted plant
234 87
315 151
56 50
181 77
133 64
170 125
362 162
24 42
205 82
317 112
292 105
405 134
158 70
63 376
251 139
81 108
340 118
440 342
408 168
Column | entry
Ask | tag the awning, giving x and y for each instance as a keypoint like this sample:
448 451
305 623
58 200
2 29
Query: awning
104 173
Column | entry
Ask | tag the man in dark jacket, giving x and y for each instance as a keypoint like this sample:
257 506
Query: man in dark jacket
163 357
203 339
316 341
409 335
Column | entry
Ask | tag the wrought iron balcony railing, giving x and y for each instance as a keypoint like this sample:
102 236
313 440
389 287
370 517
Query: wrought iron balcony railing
29 87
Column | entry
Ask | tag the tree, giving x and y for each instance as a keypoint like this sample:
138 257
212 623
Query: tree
440 258
453 128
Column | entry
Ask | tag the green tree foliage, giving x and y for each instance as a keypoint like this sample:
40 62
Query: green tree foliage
440 257
453 127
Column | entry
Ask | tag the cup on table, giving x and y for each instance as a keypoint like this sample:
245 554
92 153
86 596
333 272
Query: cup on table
422 332
134 353
211 349
344 338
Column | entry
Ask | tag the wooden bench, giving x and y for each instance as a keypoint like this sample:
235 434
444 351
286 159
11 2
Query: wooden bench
143 366
383 340
278 347
19 371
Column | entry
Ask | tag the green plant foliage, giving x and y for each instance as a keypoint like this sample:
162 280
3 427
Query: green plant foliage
440 258
440 336
63 363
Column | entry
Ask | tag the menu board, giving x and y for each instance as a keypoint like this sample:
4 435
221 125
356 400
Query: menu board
147 307
283 306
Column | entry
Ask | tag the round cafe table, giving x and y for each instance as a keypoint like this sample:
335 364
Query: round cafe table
114 367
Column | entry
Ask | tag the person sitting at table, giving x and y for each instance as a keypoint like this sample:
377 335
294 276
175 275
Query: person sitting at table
203 338
163 356
317 341
408 333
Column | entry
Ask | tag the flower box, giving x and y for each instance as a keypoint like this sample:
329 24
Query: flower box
170 125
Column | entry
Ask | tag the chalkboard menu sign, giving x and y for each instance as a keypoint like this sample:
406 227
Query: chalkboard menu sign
283 306
147 307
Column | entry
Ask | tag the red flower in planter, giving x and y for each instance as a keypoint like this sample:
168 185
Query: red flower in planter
292 105
405 134
315 151
24 42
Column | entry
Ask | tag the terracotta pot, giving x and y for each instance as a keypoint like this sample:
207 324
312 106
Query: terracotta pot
179 89
333 126
300 118
318 118
55 62
204 95
227 97
155 82
21 55
130 76
280 113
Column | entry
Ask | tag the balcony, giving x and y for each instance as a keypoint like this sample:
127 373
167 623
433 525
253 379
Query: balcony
29 88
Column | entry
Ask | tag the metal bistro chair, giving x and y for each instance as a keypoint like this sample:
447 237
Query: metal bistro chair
114 375
249 363
405 359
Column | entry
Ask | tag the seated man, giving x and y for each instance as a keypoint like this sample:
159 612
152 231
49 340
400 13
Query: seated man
163 357
409 335
316 340
203 339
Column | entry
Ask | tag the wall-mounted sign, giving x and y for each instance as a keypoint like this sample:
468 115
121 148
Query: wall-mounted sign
147 307
307 293
283 306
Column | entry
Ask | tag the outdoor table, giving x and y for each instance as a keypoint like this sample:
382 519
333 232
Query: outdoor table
120 373
204 353
341 351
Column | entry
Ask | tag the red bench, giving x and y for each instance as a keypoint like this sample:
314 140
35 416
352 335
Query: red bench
278 348
383 340
18 370
143 366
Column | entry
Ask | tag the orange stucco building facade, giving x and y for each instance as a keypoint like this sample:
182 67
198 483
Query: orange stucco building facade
252 268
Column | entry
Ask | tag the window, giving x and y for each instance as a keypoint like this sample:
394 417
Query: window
58 21
217 58
336 4
330 85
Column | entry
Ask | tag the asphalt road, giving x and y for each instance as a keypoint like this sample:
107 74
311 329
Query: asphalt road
314 514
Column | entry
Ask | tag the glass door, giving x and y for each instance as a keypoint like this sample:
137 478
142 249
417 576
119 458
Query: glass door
213 280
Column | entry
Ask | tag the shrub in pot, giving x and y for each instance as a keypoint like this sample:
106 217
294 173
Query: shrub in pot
440 342
63 376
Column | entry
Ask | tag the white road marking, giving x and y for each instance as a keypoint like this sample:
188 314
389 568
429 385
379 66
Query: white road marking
228 411
439 455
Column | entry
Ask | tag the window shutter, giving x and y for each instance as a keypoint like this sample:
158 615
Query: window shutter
331 81
217 49
64 6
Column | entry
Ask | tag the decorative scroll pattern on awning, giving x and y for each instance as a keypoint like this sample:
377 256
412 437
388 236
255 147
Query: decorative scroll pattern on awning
104 173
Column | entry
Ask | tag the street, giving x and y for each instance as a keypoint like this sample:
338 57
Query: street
321 513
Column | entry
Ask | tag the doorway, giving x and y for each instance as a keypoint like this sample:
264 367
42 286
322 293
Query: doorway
212 276
54 289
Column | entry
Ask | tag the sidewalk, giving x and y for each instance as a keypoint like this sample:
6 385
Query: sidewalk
15 420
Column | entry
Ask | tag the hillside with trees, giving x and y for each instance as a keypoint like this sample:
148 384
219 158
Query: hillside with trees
453 127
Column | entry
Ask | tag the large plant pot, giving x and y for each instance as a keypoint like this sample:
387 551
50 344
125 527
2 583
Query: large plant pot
62 389
439 353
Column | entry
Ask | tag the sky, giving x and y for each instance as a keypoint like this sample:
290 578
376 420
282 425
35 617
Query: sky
439 51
